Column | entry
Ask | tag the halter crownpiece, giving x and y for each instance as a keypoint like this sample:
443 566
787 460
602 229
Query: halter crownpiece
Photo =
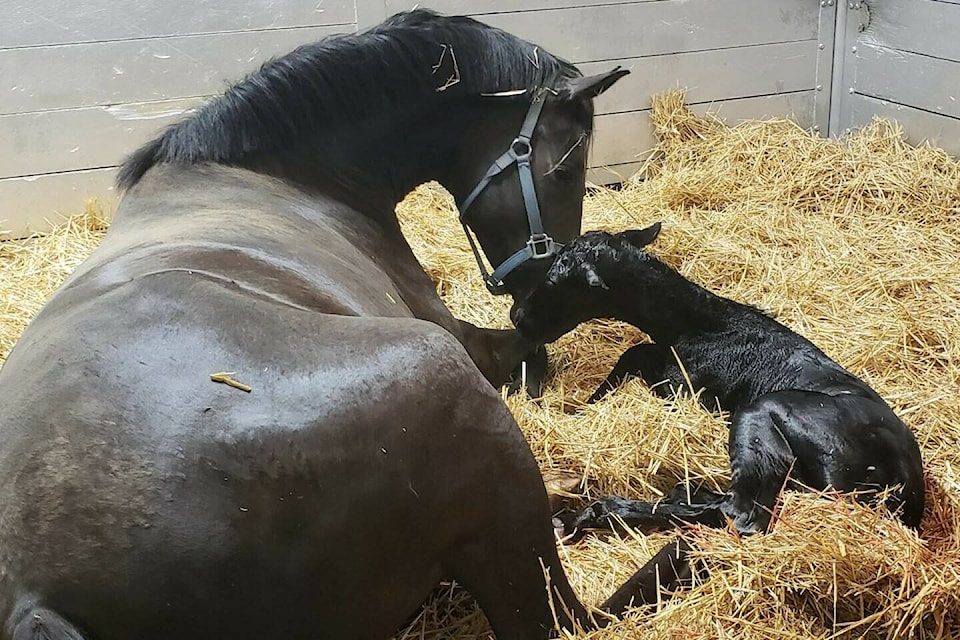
540 245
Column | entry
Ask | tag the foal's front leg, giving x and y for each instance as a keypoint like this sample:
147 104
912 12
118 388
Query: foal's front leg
606 513
644 360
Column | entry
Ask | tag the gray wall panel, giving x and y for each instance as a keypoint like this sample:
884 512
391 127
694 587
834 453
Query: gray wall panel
627 137
711 75
587 34
483 7
48 22
919 126
931 84
63 140
82 75
33 204
901 60
919 26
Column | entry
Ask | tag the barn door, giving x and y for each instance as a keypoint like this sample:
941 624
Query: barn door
899 59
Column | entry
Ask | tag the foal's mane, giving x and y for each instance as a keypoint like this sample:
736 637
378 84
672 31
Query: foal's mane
293 100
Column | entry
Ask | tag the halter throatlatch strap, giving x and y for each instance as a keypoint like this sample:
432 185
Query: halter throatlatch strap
540 245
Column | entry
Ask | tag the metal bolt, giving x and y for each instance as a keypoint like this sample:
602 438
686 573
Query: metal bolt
853 49
829 3
850 6
850 90
824 3
820 46
819 87
816 129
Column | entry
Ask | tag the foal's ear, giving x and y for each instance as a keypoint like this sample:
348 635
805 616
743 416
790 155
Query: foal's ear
642 237
589 87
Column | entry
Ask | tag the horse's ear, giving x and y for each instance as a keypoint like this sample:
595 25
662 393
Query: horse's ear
642 237
589 87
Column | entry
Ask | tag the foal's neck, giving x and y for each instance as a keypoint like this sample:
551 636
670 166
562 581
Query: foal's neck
662 303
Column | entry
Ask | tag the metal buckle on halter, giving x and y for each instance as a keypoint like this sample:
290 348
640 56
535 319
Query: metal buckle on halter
526 145
541 246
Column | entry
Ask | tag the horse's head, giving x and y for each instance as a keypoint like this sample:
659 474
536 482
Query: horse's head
576 287
520 176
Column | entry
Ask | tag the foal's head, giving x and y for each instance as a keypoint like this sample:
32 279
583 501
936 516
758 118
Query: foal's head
588 279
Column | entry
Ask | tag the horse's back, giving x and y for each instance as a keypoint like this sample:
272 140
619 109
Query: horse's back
138 493
259 233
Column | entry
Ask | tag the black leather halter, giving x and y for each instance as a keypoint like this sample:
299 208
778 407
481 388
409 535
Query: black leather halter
540 245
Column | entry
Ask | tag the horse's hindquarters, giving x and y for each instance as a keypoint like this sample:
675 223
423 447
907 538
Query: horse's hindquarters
141 499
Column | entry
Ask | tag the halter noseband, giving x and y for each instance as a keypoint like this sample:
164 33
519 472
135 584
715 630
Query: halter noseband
540 245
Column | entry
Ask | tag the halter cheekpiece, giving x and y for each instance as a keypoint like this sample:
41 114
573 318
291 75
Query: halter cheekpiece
539 245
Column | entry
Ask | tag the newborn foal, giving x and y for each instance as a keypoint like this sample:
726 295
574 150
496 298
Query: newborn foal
794 410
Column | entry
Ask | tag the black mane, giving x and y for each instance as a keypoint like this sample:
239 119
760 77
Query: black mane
292 103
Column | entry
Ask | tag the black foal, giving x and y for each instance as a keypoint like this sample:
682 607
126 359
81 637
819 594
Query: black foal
794 412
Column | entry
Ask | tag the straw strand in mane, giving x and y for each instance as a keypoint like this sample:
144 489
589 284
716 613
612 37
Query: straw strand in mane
307 99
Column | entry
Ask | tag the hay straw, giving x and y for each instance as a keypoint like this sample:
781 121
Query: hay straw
31 269
851 242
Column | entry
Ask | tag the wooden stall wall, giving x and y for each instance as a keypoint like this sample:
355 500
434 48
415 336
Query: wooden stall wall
900 59
83 83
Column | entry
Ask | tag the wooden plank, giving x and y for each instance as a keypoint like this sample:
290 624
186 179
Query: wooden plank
918 26
49 22
29 205
711 75
918 125
931 84
370 13
606 32
484 7
613 174
69 139
628 137
82 75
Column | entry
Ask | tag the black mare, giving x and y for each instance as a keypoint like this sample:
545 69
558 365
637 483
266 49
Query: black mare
373 456
794 412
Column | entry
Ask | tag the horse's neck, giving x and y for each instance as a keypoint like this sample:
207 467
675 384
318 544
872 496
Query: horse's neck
664 304
373 165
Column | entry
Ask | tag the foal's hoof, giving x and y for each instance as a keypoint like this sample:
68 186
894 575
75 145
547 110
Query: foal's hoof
564 526
531 374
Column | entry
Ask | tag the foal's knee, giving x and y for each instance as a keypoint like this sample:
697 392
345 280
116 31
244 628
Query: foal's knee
760 462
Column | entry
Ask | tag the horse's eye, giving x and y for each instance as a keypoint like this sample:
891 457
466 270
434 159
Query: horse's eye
564 174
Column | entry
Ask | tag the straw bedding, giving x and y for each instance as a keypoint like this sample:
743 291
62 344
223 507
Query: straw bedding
853 243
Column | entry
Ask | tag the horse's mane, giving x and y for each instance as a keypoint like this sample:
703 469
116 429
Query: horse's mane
291 100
